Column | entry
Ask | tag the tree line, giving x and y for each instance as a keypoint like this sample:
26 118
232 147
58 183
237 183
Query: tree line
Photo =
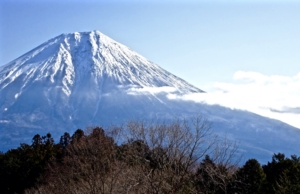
140 157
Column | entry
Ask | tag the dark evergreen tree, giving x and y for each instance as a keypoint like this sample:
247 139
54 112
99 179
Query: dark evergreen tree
65 140
77 135
250 178
36 141
283 174
20 168
211 178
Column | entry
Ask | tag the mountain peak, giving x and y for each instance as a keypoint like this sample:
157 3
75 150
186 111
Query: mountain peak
68 58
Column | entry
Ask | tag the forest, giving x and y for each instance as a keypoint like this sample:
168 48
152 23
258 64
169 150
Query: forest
143 157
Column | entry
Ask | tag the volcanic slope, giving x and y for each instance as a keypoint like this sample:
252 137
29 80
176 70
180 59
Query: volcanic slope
80 79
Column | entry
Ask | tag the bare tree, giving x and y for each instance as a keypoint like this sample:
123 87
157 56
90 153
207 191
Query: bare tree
175 150
140 157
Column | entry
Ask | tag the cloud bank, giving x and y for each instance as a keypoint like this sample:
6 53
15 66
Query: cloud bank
274 96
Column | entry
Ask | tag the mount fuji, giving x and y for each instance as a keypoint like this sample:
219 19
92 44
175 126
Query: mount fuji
82 79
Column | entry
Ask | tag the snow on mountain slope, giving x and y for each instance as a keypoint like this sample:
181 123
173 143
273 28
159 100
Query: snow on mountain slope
62 81
80 79
69 57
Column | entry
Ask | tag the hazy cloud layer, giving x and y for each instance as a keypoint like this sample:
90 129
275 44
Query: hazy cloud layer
273 96
287 110
152 90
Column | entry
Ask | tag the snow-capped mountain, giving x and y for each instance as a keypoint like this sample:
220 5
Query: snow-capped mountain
80 79
69 58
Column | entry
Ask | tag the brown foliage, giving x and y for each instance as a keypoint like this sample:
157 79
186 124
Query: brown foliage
161 158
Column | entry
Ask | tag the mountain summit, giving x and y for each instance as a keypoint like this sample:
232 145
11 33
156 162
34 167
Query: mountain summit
69 59
80 79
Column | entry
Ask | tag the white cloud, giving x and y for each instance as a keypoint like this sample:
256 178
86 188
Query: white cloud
151 90
273 96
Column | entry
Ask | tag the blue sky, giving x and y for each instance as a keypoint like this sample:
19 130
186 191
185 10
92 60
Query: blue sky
207 43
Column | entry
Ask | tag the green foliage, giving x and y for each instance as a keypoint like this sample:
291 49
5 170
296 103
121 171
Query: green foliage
21 167
283 174
250 178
